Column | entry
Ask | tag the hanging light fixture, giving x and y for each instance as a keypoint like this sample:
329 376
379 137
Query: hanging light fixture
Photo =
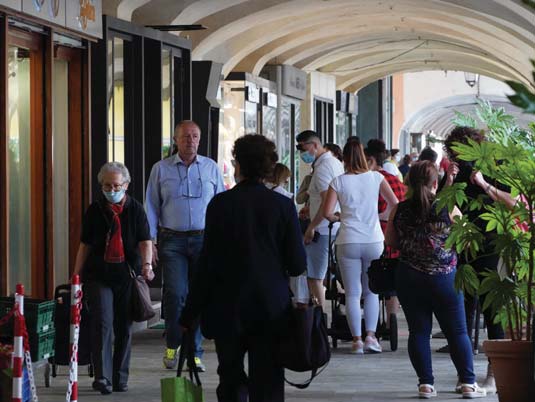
471 79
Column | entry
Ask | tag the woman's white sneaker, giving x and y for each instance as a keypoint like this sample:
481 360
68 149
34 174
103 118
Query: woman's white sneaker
371 345
357 348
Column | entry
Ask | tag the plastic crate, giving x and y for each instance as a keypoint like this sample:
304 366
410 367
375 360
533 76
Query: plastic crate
42 345
39 315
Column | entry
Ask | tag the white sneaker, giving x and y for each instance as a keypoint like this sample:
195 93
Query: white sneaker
357 348
473 391
371 345
426 391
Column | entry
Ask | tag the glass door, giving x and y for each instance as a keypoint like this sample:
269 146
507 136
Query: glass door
25 161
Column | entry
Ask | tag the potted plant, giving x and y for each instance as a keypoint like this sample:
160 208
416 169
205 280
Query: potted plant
508 158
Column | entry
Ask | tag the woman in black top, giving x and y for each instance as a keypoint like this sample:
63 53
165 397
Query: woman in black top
252 243
115 239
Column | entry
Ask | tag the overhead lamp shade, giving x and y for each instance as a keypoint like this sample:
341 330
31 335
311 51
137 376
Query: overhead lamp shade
471 79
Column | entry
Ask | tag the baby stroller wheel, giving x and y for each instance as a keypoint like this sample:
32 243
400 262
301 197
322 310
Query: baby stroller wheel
393 332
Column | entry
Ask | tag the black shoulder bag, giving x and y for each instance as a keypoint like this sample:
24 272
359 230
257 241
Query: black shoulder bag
382 275
305 344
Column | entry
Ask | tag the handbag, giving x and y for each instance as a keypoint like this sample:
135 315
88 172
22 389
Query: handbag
382 275
140 303
180 389
305 344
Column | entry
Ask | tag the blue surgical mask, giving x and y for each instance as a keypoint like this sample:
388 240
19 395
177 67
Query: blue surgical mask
307 157
114 197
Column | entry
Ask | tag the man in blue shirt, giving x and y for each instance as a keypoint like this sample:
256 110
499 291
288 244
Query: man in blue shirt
178 192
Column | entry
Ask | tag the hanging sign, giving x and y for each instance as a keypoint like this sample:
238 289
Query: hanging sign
85 16
48 10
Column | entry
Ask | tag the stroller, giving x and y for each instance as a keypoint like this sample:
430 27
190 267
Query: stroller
62 295
339 329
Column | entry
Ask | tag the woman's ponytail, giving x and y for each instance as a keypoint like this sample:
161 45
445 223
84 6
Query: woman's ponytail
421 177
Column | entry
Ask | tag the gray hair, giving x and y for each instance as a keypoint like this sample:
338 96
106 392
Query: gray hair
115 167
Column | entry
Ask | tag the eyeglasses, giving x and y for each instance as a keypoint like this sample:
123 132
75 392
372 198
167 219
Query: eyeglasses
114 187
300 148
186 187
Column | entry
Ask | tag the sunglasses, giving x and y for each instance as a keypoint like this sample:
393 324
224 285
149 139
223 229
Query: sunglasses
299 146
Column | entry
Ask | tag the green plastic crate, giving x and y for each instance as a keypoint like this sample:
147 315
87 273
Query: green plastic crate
39 315
42 345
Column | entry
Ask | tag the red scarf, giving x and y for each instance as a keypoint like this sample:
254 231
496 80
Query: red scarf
114 242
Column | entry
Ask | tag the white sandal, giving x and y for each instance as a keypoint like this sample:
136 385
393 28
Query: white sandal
473 391
423 391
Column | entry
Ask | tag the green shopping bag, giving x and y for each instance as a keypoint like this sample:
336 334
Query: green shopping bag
180 389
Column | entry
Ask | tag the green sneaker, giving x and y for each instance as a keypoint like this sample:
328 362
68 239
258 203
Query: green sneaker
200 367
170 359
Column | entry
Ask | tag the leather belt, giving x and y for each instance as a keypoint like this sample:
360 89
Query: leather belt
188 233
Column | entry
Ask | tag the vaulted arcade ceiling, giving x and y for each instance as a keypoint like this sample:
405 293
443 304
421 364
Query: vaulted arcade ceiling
358 41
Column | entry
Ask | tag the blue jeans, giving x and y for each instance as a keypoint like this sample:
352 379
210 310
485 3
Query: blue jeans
178 256
422 295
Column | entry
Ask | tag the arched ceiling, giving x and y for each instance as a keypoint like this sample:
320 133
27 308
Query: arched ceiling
358 41
438 116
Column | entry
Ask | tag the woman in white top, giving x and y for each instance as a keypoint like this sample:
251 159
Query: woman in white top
360 239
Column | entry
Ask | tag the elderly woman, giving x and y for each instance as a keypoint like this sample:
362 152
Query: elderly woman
115 240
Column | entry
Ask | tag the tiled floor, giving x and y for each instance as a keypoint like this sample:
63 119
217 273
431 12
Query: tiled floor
365 378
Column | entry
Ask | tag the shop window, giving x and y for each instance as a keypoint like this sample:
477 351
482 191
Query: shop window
269 123
324 119
116 106
19 165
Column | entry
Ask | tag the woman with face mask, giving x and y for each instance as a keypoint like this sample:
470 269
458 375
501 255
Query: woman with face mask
115 240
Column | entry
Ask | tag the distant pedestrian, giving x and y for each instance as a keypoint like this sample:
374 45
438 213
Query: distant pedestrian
405 165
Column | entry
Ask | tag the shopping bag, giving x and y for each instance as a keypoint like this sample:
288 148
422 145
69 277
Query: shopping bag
181 389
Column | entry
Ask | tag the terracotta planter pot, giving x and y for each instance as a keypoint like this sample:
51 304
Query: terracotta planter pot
511 363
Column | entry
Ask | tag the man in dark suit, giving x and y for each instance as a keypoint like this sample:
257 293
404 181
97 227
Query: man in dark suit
252 243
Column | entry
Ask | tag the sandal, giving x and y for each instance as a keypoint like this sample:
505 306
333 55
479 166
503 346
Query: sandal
426 391
473 391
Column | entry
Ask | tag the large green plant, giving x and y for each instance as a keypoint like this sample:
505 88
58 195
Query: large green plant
507 158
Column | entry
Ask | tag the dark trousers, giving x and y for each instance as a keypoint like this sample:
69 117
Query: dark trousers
265 382
109 304
494 331
421 296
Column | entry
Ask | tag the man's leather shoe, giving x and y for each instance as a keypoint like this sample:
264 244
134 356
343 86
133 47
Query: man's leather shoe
102 386
120 388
